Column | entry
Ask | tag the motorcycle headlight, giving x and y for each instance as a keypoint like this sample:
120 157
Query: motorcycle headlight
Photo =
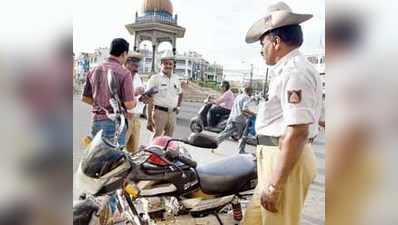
85 142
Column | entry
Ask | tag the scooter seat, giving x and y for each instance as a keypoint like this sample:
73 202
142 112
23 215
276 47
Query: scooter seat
227 176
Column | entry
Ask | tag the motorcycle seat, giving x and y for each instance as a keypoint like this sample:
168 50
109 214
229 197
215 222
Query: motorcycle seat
227 176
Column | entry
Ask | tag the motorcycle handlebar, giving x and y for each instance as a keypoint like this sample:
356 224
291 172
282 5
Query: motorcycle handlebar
187 161
183 159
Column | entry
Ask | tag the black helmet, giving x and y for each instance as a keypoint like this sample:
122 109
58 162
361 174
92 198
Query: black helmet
102 158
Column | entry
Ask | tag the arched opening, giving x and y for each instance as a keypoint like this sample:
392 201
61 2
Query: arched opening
165 46
145 46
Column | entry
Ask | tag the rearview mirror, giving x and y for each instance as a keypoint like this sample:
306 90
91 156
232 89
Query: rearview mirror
202 141
112 84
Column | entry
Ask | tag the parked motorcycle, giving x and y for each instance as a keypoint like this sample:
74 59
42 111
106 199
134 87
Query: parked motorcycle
158 183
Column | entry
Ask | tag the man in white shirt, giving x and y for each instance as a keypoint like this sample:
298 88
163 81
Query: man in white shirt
287 122
133 115
162 114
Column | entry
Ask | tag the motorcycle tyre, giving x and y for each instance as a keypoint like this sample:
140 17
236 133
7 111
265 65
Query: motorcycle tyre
196 126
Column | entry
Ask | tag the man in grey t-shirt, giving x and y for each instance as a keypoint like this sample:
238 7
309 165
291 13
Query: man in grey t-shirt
237 119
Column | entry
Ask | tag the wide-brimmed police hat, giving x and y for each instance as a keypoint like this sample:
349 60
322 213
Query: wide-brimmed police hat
167 55
134 56
277 15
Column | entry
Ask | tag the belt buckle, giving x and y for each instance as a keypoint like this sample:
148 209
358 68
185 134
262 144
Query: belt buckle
275 141
267 140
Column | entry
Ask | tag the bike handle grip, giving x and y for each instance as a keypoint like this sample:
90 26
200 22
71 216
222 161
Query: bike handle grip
187 161
175 155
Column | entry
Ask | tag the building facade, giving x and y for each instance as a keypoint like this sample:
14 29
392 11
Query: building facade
215 72
191 66
87 60
318 60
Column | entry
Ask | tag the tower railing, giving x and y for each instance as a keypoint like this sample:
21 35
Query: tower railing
156 19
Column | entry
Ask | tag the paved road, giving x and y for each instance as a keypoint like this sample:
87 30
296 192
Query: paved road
315 204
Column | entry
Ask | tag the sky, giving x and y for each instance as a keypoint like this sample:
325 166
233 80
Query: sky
214 29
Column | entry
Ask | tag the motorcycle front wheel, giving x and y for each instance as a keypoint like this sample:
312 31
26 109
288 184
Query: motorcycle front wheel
196 126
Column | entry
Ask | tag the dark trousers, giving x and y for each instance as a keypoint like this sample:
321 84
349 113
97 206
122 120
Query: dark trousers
215 114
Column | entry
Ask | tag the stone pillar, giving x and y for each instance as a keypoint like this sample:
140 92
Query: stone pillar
153 57
135 42
174 46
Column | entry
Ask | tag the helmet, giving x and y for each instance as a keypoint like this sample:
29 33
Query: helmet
102 158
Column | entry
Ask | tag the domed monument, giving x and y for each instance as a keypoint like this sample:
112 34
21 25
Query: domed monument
156 24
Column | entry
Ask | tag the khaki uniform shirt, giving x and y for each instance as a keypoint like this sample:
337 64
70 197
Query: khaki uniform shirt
295 97
169 90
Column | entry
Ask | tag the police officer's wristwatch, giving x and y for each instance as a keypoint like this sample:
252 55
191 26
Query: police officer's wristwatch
272 189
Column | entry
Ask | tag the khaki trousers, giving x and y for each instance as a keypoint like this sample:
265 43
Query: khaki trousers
165 123
292 198
133 134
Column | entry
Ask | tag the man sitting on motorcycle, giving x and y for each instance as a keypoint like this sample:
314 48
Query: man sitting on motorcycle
222 106
238 118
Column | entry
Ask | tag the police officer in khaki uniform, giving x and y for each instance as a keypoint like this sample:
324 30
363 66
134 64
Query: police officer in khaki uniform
287 121
133 115
166 103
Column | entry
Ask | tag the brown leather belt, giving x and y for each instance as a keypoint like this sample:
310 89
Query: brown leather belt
165 109
274 141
